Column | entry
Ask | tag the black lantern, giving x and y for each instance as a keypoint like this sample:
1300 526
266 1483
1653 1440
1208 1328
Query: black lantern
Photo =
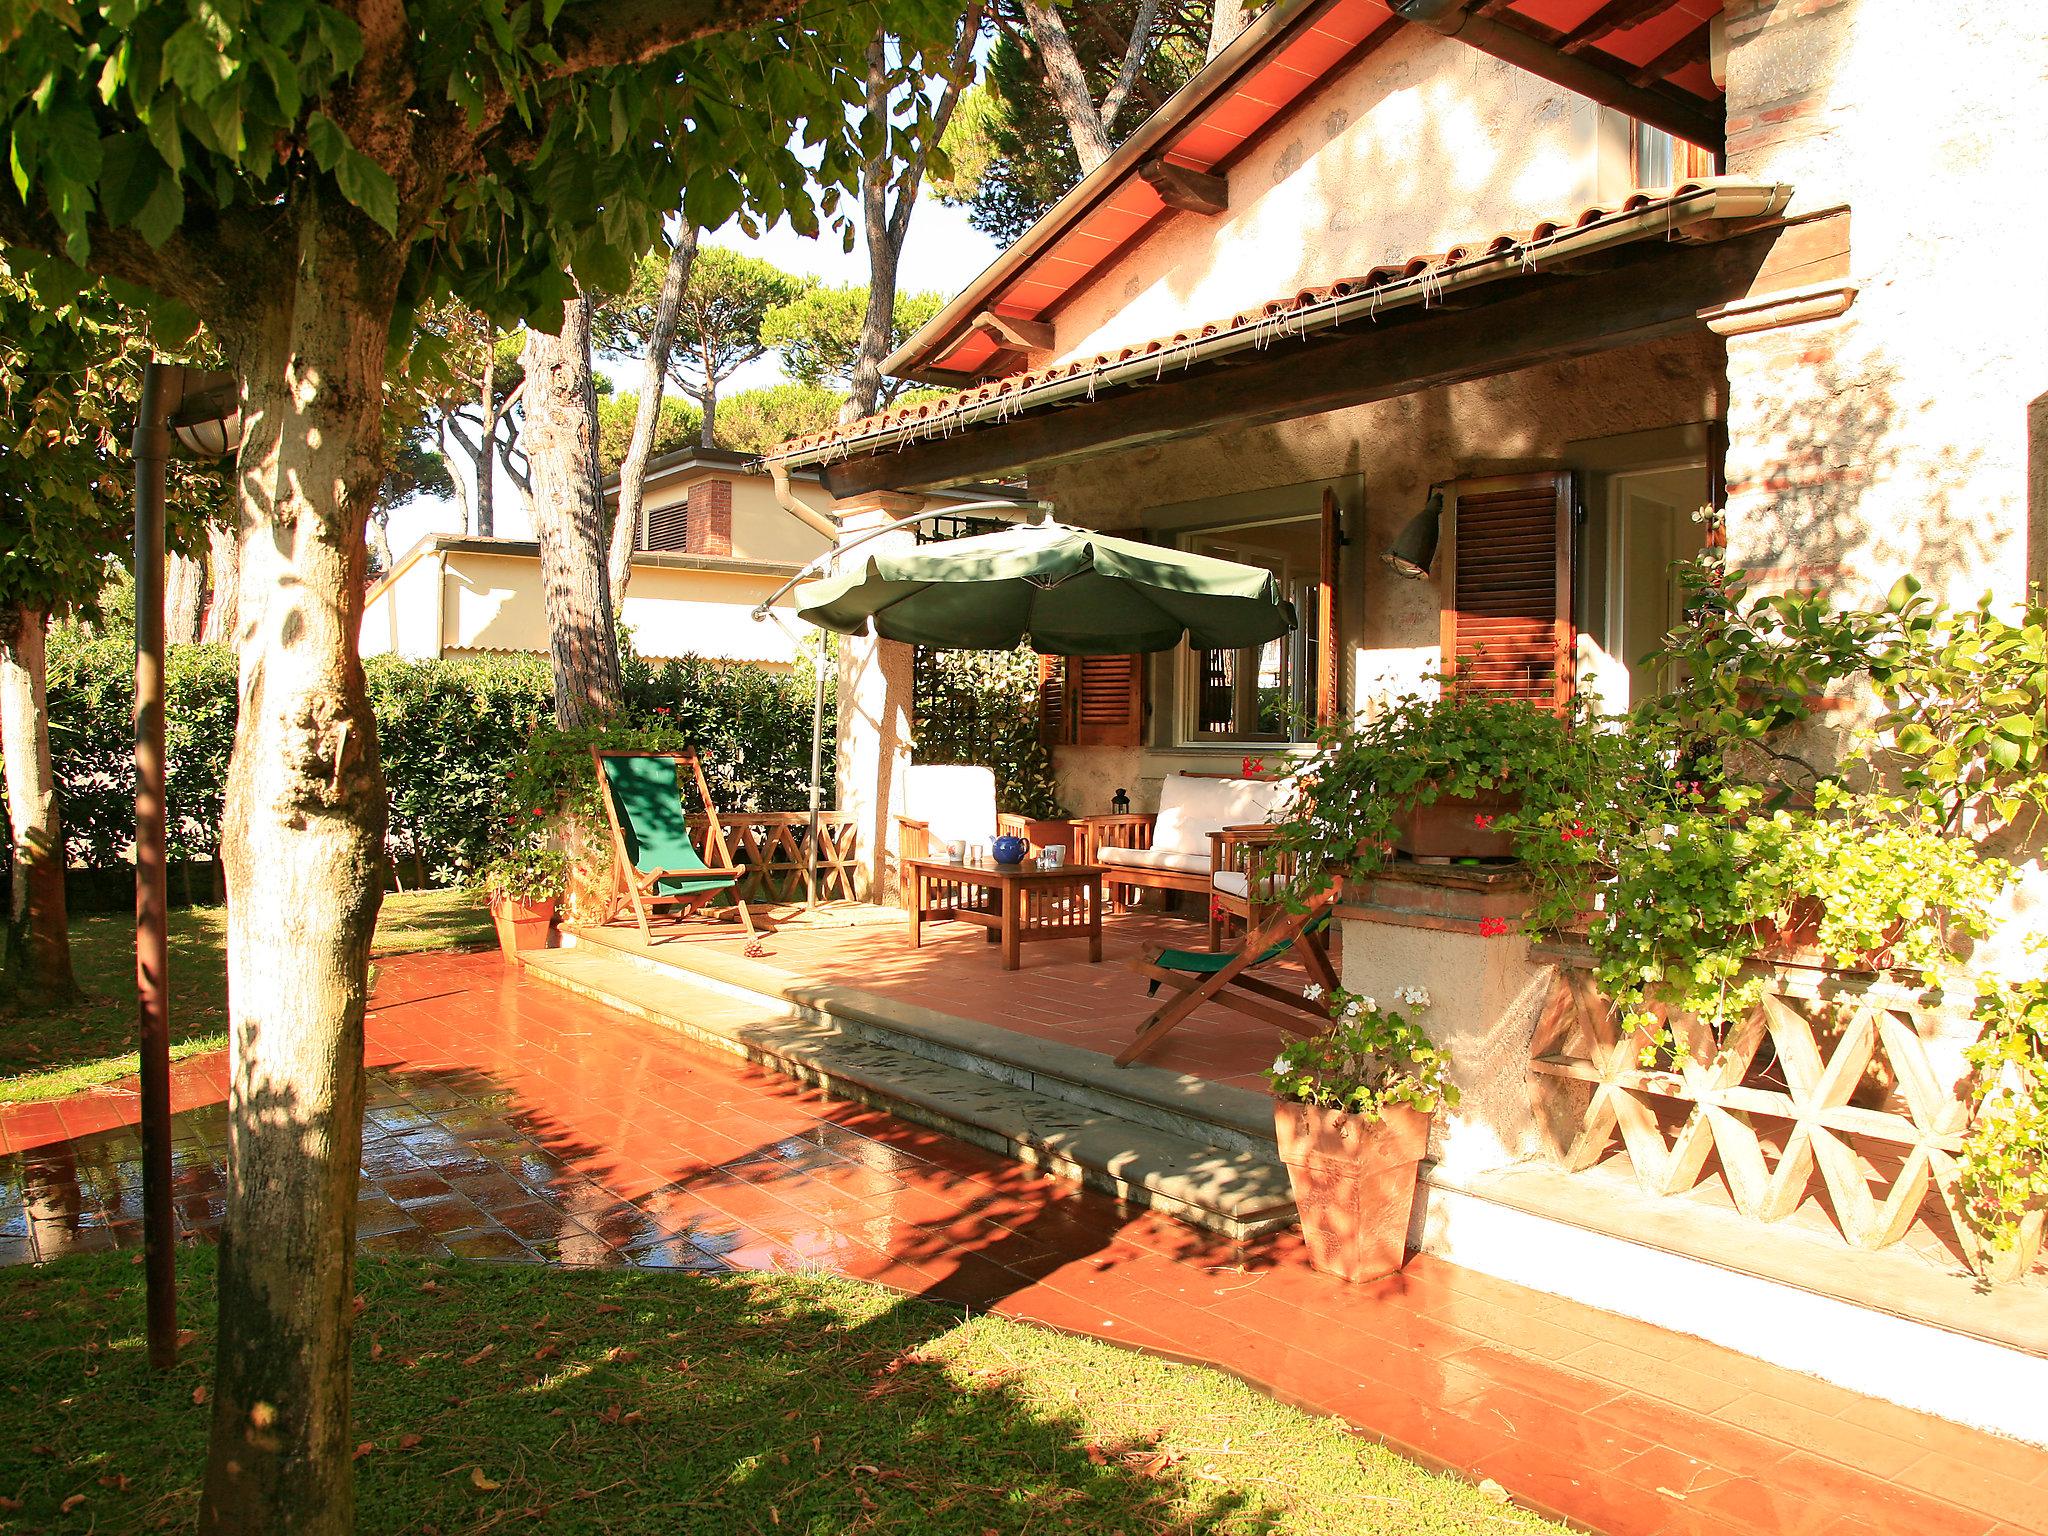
1413 551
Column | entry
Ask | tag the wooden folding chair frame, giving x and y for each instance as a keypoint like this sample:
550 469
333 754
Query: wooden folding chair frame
1269 1003
638 885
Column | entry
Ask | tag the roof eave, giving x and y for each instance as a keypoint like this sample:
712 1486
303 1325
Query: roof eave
1718 201
908 360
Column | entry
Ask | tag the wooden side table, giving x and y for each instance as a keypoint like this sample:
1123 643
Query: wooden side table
1017 904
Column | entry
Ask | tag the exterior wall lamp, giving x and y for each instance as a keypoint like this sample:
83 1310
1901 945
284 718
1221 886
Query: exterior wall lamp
1413 551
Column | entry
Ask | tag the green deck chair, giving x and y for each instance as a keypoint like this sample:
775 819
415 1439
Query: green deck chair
1202 976
655 861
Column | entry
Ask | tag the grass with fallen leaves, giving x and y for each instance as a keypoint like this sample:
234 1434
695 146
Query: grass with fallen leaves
510 1398
46 1053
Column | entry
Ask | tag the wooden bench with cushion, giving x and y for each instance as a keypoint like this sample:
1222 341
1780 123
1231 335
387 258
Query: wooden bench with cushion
1198 828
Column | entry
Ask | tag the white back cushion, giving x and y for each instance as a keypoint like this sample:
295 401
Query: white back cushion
1190 808
957 800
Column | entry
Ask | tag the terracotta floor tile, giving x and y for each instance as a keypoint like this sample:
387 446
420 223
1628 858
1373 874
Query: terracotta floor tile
513 1123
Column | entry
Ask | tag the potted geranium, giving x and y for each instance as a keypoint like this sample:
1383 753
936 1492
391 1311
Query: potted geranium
1351 1113
1438 778
523 883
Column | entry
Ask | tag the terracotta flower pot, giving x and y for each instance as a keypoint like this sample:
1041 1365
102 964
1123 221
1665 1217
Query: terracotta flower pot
523 924
1457 827
1354 1182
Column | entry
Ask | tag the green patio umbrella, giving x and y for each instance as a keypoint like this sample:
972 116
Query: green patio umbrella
1064 591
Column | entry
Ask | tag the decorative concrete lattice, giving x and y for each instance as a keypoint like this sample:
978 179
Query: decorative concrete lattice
769 847
1772 1123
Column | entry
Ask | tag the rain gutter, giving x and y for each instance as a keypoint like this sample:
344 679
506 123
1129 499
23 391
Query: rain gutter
1668 216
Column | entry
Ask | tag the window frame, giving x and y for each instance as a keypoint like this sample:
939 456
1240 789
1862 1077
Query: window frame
1303 589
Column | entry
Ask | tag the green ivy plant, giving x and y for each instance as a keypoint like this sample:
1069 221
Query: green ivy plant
528 871
981 707
2004 1162
1370 1058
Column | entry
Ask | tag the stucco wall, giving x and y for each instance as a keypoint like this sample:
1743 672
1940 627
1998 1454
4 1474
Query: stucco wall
404 617
1381 458
762 529
494 604
1896 437
1422 145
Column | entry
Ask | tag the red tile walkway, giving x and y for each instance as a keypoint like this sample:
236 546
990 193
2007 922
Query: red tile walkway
513 1121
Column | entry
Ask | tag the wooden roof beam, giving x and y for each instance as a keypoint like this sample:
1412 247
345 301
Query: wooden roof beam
1662 293
1609 19
1689 49
1014 332
1188 190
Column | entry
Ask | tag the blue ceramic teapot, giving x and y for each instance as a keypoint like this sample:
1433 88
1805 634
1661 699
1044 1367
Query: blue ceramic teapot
1008 850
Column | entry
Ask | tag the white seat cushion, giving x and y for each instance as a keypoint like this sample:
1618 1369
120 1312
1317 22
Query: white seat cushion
1190 808
957 801
1154 858
1238 883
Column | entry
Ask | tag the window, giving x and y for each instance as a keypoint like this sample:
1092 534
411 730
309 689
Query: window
1264 693
1642 523
1506 584
1656 159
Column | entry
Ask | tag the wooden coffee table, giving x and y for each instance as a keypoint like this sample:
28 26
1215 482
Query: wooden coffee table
1017 903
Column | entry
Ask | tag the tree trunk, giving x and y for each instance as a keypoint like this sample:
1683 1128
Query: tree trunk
378 537
661 340
184 599
707 401
568 519
224 566
1229 18
37 959
303 842
1068 84
486 457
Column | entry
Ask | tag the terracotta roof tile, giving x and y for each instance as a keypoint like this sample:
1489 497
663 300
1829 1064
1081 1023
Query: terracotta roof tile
1280 307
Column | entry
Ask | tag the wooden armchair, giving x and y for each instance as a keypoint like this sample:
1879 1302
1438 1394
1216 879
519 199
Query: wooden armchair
1246 869
948 802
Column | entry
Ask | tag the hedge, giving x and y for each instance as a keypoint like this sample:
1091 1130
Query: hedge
461 739
450 734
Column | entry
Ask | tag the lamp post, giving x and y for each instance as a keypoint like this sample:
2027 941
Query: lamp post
200 406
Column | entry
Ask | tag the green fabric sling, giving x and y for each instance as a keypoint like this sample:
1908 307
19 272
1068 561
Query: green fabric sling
647 797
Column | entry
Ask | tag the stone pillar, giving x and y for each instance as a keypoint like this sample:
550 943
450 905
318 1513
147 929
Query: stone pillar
873 747
1457 933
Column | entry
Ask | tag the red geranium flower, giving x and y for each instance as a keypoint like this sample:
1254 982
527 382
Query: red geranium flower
537 810
1482 822
1492 927
1255 765
661 709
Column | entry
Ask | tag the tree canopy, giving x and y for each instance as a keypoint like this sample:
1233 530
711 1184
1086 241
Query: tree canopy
168 142
818 333
70 374
1010 152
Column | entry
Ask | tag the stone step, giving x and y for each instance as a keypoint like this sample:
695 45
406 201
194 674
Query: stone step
1238 1192
1178 1103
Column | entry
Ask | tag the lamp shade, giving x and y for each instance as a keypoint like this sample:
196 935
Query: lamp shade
207 420
1413 551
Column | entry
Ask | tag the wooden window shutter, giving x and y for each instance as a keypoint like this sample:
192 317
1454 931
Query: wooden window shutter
1108 704
1052 700
668 527
1329 645
1091 701
1507 586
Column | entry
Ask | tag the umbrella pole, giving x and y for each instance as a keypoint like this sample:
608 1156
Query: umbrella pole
817 775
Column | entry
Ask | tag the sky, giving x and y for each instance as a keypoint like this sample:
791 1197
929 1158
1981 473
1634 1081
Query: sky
941 252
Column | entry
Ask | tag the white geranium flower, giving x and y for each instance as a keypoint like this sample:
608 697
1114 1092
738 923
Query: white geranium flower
1312 991
1414 997
1368 1005
1281 1065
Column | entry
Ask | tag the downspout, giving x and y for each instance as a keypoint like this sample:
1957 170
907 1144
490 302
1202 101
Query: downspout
778 472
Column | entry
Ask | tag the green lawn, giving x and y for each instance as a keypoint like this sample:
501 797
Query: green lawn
503 1397
45 1054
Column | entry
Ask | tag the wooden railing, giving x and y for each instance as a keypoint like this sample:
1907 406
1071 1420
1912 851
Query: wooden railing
769 846
1827 1074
